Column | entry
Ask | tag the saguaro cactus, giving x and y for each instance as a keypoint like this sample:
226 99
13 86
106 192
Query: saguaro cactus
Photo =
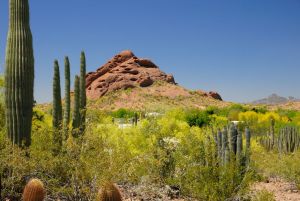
67 94
57 107
82 90
19 74
76 106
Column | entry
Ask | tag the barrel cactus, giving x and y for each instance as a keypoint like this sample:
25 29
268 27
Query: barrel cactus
19 74
109 192
34 191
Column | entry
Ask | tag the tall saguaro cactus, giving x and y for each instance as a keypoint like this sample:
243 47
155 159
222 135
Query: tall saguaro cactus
67 94
57 107
76 108
19 74
82 90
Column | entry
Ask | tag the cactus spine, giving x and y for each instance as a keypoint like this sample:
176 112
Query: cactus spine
34 191
82 90
19 74
67 95
76 106
57 107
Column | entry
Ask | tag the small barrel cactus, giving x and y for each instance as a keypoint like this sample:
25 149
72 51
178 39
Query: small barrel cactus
34 191
109 192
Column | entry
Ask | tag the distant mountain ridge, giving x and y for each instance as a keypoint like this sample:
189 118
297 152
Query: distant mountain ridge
275 99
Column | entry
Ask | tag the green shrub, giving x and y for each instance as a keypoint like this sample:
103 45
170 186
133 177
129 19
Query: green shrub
198 118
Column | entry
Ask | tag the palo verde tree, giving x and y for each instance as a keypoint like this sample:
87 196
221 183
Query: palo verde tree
19 74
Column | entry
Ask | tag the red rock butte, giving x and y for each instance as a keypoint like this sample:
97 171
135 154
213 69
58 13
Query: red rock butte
124 71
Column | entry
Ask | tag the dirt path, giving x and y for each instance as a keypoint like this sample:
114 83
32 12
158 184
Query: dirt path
282 190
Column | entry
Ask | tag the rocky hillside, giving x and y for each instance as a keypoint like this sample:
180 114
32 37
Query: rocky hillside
161 96
124 71
132 82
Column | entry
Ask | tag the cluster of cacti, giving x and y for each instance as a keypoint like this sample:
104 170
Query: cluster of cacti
34 191
79 106
19 74
230 145
268 141
288 140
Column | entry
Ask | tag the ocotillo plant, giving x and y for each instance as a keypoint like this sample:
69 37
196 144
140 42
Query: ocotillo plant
67 95
82 90
76 106
34 191
57 107
19 74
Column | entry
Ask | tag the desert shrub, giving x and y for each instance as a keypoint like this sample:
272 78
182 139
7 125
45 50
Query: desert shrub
163 151
123 113
198 118
270 163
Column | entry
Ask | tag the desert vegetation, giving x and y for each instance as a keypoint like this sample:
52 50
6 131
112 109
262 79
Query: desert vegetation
72 150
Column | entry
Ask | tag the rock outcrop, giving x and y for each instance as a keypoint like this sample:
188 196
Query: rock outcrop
211 94
124 71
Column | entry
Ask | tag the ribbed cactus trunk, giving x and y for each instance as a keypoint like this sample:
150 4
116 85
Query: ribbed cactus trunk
248 142
57 107
233 138
219 143
82 90
19 74
272 131
239 147
76 106
67 96
225 147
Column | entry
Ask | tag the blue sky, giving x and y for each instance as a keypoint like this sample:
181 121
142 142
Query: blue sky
243 49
